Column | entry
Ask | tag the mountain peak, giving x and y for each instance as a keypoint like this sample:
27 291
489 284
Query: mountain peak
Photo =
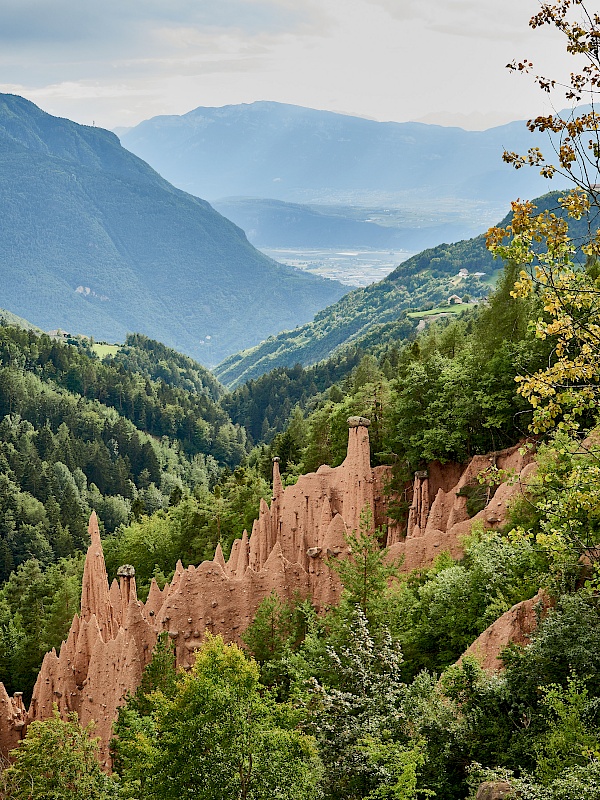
268 149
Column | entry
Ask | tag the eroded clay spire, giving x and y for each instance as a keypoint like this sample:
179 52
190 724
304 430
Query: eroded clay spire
264 531
358 493
242 562
94 530
95 592
254 551
277 484
358 457
127 587
220 558
12 720
275 510
155 599
234 553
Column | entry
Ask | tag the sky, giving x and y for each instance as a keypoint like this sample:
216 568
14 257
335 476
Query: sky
116 62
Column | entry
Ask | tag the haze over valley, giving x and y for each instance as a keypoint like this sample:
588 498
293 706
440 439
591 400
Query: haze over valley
119 249
299 179
96 242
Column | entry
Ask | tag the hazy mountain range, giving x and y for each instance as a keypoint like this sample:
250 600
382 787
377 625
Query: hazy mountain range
94 241
296 154
274 223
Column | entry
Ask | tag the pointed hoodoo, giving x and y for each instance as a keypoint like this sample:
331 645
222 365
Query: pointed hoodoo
220 559
242 562
254 548
12 720
264 532
277 484
155 599
233 557
43 697
334 540
275 511
274 567
95 593
94 530
419 510
179 570
259 538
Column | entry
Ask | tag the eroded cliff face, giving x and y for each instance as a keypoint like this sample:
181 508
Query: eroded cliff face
515 626
108 646
111 640
438 519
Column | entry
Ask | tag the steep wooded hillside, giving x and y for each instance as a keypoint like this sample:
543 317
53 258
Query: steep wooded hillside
366 315
429 277
95 242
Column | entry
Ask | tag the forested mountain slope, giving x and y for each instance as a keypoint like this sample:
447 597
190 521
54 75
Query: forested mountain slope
133 436
422 279
77 433
157 362
387 653
95 242
426 279
8 318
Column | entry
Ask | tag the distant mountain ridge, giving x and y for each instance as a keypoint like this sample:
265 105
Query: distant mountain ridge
273 150
94 241
274 223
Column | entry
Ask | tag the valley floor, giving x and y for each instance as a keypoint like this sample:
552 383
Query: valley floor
352 267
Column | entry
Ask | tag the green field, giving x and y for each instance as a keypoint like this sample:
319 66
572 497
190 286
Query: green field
104 349
457 308
493 278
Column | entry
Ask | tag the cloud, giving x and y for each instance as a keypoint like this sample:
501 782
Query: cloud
74 21
79 90
479 19
121 61
75 40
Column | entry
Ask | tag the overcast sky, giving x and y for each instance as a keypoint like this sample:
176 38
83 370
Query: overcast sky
117 62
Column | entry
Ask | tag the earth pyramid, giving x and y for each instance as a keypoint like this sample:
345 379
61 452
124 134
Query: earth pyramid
288 551
111 639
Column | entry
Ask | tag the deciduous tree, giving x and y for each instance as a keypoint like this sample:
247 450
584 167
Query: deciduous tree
57 760
219 737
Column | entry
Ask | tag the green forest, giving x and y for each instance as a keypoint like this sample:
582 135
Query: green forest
381 312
